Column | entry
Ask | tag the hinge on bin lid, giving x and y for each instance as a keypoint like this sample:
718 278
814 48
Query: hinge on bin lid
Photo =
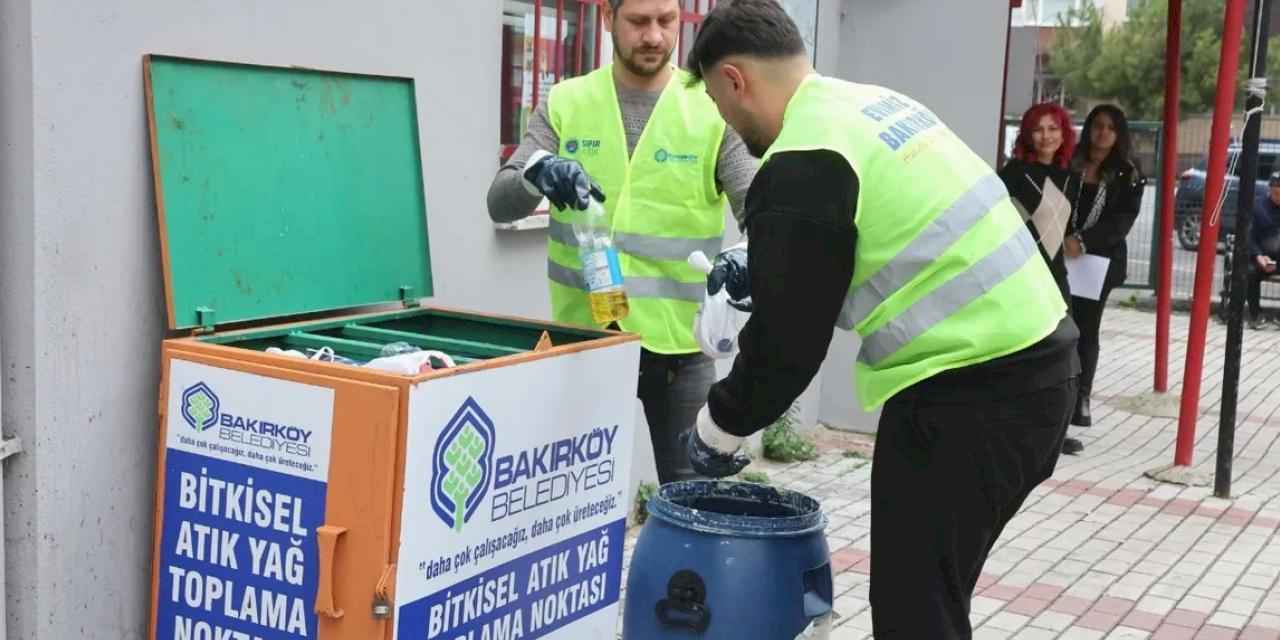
406 296
9 447
205 316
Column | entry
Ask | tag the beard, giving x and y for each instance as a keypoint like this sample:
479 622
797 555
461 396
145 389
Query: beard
755 143
631 59
755 148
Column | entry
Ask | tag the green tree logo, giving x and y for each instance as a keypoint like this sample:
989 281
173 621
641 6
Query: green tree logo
462 465
465 471
199 406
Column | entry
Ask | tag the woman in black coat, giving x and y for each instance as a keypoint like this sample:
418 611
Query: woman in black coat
1105 212
1042 157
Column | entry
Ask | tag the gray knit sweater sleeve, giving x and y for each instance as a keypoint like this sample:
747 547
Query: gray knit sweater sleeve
735 169
508 199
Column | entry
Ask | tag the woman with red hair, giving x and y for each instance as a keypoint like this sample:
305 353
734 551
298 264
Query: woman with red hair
1041 157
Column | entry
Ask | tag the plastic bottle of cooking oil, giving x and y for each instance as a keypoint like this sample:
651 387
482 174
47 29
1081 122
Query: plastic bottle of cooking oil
600 267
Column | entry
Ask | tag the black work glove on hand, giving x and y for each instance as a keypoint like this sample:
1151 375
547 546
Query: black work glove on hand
714 461
564 182
730 271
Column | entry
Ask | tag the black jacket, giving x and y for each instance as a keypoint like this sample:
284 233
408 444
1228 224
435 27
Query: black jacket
1106 237
1025 181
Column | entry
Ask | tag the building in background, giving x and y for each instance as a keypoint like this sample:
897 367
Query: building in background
1032 28
1115 12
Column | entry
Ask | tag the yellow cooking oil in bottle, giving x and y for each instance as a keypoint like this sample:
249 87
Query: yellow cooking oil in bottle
601 271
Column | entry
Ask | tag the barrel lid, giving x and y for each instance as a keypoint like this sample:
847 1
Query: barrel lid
284 191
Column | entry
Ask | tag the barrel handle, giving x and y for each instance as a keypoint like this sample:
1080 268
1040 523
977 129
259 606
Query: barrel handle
685 604
817 591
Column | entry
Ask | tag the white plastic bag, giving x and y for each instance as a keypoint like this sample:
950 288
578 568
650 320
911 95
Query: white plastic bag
717 323
411 363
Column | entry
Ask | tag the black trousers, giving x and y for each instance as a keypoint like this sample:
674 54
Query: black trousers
1087 315
946 479
672 389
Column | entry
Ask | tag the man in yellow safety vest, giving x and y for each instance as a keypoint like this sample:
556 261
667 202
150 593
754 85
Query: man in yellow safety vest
869 214
636 136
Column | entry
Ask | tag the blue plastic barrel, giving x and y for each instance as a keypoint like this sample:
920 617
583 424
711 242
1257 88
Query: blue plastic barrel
720 560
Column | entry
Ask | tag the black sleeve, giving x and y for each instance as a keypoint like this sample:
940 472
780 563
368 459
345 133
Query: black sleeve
799 218
1124 200
1014 176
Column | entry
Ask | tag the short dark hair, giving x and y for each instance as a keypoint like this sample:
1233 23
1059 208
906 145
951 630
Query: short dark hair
743 27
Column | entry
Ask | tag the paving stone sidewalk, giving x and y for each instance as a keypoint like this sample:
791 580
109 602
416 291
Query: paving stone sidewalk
1101 551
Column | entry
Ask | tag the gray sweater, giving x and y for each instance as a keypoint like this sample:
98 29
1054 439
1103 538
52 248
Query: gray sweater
509 201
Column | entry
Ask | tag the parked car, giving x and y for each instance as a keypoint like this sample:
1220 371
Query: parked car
1189 202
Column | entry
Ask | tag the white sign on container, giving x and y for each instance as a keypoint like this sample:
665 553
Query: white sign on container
515 501
245 474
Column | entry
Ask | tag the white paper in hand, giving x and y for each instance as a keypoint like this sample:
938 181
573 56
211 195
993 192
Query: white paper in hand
1086 274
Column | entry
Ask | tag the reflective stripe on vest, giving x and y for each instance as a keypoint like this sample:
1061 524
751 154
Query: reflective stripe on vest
945 276
645 246
952 296
662 203
636 287
934 241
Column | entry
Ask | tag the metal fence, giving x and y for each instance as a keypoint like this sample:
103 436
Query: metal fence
1193 153
1143 239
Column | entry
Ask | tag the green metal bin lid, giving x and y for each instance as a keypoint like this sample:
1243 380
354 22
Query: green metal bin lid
284 191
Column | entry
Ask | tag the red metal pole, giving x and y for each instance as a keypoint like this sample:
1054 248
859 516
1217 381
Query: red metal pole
1209 222
1164 283
577 38
680 46
537 49
1004 86
559 39
697 8
599 34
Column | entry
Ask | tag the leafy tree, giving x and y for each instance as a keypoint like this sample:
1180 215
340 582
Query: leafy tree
1126 64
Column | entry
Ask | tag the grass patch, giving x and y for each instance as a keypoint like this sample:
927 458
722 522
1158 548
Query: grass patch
644 493
782 443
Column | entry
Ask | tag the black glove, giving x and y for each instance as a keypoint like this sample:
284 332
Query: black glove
707 460
564 182
730 271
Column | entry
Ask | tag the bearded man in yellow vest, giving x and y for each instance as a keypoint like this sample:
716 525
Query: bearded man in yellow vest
635 135
869 214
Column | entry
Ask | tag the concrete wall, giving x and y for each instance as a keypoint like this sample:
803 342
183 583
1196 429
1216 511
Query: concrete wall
958 74
80 271
827 57
1022 71
17 287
